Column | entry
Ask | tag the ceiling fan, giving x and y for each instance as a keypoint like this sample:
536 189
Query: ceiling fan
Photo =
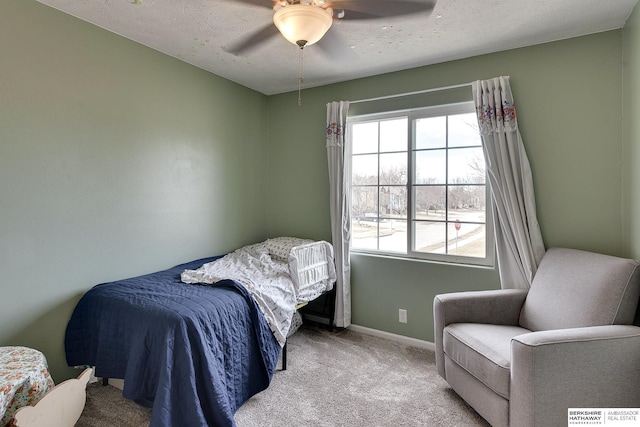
305 22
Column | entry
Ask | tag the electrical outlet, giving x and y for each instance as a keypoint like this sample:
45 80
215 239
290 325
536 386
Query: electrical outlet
402 315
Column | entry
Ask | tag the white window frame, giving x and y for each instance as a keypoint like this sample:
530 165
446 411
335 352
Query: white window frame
412 115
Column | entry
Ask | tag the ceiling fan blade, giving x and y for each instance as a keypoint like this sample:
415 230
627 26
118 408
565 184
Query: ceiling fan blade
264 3
254 40
373 9
334 47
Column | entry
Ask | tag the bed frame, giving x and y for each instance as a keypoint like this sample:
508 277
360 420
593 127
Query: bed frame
329 308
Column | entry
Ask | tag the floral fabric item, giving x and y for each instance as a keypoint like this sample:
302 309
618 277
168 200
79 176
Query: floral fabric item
519 244
278 273
495 107
24 379
280 247
267 280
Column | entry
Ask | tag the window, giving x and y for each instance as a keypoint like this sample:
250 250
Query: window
419 185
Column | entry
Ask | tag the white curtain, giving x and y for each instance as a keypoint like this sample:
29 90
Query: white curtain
338 154
518 239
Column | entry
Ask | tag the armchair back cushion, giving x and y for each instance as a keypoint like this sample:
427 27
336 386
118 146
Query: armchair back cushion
573 289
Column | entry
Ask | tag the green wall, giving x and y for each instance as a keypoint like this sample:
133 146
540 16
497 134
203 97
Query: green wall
568 95
631 97
115 160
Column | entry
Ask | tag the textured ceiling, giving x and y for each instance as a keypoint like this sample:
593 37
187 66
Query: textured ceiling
200 31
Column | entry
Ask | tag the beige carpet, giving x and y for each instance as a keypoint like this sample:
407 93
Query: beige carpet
332 379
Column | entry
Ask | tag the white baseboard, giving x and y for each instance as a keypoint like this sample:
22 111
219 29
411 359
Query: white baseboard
394 337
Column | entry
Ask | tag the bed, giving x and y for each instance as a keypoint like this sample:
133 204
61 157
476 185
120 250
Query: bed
196 341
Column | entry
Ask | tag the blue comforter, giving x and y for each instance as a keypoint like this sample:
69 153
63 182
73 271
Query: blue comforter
195 353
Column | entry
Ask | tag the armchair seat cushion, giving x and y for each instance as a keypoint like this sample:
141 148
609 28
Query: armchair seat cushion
484 351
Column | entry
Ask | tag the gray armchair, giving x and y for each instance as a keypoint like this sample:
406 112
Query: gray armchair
522 358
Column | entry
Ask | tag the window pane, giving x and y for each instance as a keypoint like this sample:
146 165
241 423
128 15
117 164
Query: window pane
467 203
393 202
393 235
431 132
364 137
393 168
466 166
365 231
429 237
364 237
364 170
393 135
469 240
463 130
364 202
430 167
430 202
437 156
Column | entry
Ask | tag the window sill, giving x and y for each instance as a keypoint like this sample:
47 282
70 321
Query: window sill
403 257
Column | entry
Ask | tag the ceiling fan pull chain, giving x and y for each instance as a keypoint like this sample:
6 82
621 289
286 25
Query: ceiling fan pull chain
300 75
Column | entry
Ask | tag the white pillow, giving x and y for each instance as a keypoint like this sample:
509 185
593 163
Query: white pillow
279 247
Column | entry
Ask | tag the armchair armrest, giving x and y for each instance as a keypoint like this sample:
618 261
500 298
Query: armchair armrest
592 367
500 307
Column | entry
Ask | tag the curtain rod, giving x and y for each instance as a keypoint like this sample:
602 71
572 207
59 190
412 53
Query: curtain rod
411 93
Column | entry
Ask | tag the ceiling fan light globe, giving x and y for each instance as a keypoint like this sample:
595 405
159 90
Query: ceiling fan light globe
299 22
